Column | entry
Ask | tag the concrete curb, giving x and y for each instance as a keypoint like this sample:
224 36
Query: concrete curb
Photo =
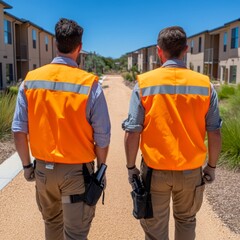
9 169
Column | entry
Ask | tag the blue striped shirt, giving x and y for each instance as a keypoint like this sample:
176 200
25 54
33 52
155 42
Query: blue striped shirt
96 110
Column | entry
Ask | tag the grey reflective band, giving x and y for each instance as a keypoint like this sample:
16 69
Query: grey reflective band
168 89
57 86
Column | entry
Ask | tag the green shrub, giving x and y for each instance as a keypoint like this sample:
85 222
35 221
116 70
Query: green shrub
230 155
7 107
226 91
13 90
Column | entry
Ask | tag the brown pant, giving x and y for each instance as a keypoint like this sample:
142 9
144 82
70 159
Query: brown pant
186 188
53 184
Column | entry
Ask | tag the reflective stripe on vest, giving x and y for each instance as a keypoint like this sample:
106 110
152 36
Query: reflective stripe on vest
57 86
176 101
167 89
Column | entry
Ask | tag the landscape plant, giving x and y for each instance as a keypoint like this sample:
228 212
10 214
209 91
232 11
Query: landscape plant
7 107
230 113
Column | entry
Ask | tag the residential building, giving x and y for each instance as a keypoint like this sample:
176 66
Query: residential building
6 60
24 46
82 59
216 53
196 49
229 52
152 58
132 59
145 59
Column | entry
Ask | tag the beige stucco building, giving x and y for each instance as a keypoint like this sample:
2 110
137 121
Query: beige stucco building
132 59
145 59
216 53
24 46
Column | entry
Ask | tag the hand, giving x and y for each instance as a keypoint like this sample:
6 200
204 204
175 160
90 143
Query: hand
131 173
208 174
29 174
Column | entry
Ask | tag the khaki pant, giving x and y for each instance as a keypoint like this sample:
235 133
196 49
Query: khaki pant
62 220
186 189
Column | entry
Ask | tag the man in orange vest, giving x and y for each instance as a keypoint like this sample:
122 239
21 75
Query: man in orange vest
63 111
171 109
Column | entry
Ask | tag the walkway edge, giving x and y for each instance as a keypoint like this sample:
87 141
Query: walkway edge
9 170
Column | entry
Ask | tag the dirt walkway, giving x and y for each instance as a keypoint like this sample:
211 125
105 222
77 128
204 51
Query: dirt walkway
20 219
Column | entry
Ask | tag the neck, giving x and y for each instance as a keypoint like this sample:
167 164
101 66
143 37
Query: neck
67 55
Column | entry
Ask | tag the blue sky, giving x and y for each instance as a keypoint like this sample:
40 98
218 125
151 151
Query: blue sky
113 28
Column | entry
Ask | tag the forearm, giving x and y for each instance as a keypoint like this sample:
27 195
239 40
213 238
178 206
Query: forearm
131 144
214 146
101 154
21 143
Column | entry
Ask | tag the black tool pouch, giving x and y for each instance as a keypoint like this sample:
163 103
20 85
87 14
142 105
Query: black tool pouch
93 193
139 204
93 188
142 203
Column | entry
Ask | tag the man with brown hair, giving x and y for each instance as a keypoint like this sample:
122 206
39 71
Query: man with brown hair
63 110
171 110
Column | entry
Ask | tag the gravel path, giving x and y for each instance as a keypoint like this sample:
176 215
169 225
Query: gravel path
224 197
21 220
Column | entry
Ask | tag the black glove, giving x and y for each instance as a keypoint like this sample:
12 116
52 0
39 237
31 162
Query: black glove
131 172
29 172
208 174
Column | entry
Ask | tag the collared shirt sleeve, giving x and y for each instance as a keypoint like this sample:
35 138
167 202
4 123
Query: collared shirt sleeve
98 117
135 120
213 119
20 119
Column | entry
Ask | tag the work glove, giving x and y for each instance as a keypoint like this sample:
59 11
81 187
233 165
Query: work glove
29 174
131 173
208 174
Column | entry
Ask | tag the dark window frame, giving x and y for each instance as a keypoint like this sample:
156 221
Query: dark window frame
7 32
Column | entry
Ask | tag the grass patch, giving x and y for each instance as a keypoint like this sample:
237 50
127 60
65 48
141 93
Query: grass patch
226 91
230 155
230 112
7 107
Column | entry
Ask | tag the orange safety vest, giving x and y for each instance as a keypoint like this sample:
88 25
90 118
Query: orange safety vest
176 101
57 96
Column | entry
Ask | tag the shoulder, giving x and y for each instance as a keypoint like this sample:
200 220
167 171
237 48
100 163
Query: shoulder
197 75
150 73
85 74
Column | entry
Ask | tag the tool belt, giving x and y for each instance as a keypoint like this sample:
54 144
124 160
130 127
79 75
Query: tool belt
142 202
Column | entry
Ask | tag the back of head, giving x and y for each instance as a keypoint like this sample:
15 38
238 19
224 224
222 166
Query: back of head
68 35
172 41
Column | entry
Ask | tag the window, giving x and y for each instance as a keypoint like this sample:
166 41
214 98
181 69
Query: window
191 66
46 43
198 69
192 45
200 44
34 38
234 38
233 74
225 42
7 32
9 73
34 66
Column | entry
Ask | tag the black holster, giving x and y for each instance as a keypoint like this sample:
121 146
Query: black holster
93 190
142 202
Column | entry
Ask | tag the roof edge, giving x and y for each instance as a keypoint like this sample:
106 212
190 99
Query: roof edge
5 5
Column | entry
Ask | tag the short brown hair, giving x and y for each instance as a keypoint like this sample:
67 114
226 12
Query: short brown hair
68 35
172 40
